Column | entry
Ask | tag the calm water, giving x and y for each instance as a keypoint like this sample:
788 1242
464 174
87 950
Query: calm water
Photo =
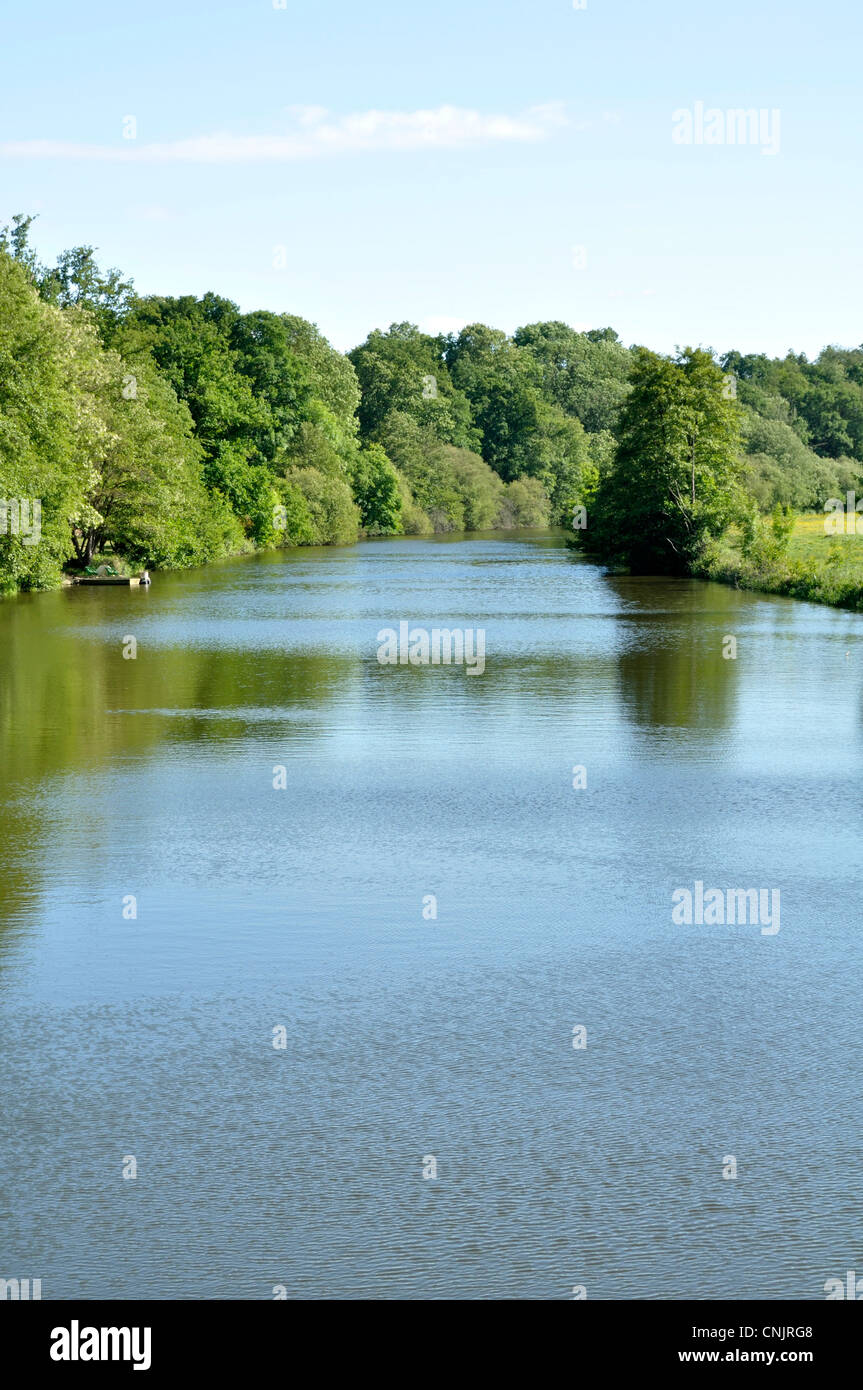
408 1037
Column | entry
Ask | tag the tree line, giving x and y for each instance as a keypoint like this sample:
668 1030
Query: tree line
169 431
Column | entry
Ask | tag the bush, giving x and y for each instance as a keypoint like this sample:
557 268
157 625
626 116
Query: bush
477 488
414 521
334 517
525 504
376 491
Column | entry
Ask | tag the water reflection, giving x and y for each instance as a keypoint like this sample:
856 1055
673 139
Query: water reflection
672 671
303 907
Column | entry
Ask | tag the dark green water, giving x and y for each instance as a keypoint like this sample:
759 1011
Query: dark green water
408 1037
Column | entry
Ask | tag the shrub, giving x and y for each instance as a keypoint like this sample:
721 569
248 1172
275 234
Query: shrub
333 514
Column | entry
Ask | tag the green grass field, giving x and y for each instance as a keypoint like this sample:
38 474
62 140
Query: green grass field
817 566
810 544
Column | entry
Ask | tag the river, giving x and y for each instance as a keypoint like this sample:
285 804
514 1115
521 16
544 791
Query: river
416 1021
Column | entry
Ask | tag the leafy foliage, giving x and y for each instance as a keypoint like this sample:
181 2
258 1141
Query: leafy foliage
171 430
675 482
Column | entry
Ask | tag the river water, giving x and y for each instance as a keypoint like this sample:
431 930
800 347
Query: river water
326 1089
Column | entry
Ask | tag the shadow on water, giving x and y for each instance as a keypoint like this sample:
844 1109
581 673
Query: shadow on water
72 706
672 670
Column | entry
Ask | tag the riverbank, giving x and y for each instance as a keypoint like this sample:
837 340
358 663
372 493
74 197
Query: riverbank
815 566
125 568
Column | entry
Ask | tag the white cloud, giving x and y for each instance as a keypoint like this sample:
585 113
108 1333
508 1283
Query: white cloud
316 134
307 115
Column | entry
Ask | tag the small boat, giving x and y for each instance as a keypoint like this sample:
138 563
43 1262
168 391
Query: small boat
106 574
130 581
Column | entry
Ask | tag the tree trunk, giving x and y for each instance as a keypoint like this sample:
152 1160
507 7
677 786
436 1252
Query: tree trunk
84 545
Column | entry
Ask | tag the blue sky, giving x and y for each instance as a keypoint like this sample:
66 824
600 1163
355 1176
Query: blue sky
439 162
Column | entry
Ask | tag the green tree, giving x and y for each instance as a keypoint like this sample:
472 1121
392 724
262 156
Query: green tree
331 376
335 519
586 374
675 483
525 432
404 370
262 352
478 489
376 491
144 493
502 384
525 504
40 463
78 282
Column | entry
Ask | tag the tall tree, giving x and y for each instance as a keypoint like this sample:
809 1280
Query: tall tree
675 482
42 476
404 370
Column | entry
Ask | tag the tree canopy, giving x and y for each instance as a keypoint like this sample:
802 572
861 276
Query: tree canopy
172 430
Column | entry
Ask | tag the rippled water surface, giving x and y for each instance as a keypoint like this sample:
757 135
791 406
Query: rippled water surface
409 1037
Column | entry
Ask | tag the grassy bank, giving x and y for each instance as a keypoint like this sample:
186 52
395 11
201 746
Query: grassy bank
815 566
